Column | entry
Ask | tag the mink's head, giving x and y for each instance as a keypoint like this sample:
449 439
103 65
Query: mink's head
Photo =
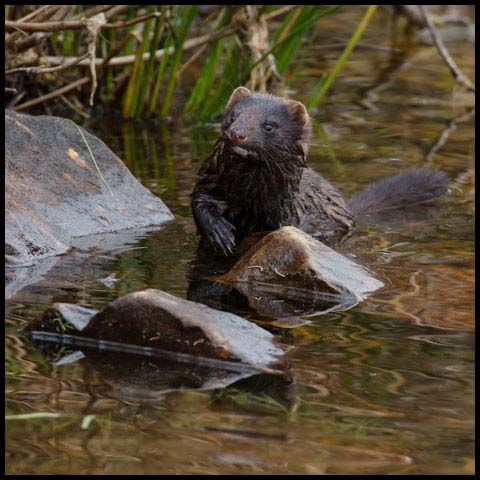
262 125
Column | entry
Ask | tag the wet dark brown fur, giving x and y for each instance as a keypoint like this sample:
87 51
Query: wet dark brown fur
257 179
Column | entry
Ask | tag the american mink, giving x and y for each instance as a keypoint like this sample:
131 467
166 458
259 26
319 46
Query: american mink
257 179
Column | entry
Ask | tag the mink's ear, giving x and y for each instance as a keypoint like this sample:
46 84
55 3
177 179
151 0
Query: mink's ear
237 94
300 114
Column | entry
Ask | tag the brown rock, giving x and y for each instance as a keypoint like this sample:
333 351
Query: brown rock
290 258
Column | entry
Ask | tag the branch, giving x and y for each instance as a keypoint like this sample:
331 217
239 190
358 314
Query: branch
279 11
133 21
40 13
410 13
54 94
442 50
109 9
452 125
36 70
59 13
71 24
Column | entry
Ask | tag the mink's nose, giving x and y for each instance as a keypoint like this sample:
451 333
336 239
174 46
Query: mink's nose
236 136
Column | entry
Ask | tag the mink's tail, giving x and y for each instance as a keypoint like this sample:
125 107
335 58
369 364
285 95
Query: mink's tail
401 190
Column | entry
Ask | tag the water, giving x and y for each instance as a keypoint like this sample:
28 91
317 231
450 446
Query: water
386 387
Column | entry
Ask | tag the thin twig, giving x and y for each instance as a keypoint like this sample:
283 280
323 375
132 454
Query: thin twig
90 12
191 59
410 12
452 125
58 15
276 13
71 24
43 10
133 21
36 70
76 109
56 93
39 14
15 100
116 10
442 50
19 30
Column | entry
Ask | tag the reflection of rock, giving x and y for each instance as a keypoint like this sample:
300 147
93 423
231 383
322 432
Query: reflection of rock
20 277
283 302
140 378
152 321
261 393
55 193
269 301
217 295
83 262
290 262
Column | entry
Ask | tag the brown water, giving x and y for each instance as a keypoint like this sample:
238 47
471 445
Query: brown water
386 387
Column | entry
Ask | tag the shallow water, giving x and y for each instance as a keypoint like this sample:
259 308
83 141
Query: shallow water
386 387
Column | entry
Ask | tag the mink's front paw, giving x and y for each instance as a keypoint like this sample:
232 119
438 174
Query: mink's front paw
221 236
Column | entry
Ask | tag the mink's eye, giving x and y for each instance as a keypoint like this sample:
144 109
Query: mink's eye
268 127
232 117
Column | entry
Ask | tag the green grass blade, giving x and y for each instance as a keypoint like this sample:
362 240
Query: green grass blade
87 420
320 91
187 17
140 67
207 75
32 416
147 79
169 41
134 83
233 70
92 156
296 18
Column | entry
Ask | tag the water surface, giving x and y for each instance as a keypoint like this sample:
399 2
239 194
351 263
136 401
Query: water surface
386 387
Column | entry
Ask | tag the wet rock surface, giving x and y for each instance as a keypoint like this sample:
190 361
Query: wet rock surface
152 319
290 263
286 275
54 192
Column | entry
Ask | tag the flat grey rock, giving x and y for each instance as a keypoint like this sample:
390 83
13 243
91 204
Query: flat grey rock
54 192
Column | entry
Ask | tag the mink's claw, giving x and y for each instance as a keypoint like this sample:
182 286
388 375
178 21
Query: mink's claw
222 236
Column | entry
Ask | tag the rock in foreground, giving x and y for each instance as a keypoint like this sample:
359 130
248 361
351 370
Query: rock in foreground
157 320
54 191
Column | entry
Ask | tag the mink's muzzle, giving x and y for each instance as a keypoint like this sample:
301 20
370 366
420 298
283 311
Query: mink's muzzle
236 136
241 147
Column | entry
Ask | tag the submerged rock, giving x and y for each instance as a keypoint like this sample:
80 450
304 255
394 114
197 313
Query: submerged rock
290 263
154 320
55 193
